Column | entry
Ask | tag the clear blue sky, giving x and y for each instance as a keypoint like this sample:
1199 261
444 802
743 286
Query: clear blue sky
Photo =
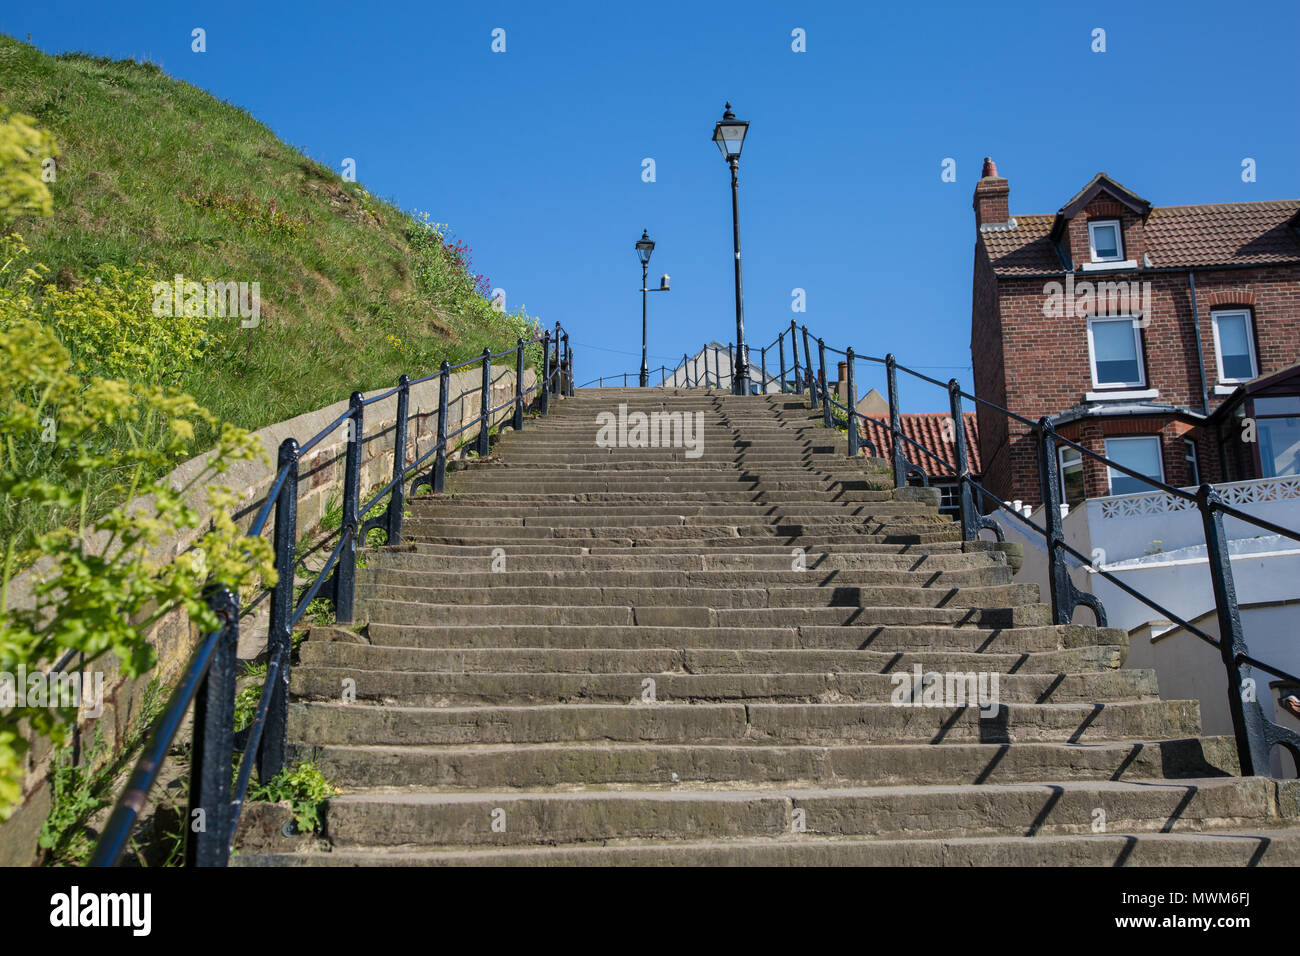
534 156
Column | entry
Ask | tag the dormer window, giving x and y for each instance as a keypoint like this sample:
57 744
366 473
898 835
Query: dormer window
1104 241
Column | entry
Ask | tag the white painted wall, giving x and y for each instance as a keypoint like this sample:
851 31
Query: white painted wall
1155 544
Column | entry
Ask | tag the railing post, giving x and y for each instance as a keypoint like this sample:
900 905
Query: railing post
1247 717
826 392
1065 596
271 751
794 351
970 522
518 423
566 383
213 756
485 404
397 499
812 381
731 372
780 345
440 456
686 372
544 389
895 430
762 368
1058 573
346 571
852 402
559 366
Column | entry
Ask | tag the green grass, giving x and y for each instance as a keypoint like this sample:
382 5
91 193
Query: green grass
156 171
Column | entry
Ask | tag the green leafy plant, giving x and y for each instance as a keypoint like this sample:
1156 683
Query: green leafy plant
306 789
332 517
250 695
75 796
23 149
79 789
109 326
101 586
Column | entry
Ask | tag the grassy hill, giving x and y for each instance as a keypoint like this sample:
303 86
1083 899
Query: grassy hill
156 172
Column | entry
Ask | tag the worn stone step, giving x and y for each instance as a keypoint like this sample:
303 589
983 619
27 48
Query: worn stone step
533 652
434 688
921 813
356 723
708 650
382 577
578 512
412 613
741 549
664 766
890 639
818 563
1254 847
775 596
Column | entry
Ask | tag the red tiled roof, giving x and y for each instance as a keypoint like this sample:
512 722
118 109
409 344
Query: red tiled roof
927 429
1176 236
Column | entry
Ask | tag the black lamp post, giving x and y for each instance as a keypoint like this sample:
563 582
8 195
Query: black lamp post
729 134
644 246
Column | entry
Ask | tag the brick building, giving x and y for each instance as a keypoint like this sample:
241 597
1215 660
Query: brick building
1164 337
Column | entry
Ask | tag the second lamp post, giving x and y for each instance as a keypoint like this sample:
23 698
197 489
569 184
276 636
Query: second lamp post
729 134
644 246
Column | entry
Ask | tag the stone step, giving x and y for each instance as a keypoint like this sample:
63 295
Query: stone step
650 498
665 766
738 549
983 619
769 536
670 525
1254 847
706 598
579 649
580 512
604 481
385 576
818 563
429 818
360 723
450 687
537 647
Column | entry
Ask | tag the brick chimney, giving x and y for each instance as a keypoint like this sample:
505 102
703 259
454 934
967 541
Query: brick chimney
842 383
991 197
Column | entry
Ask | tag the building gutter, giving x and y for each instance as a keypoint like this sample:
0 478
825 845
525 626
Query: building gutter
1154 270
1200 355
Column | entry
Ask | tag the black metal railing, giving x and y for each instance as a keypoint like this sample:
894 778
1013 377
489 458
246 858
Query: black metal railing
688 373
217 792
1255 733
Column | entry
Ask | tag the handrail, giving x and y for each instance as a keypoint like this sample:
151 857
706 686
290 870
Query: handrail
208 681
1255 733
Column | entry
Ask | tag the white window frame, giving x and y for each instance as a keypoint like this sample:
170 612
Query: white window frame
1215 315
1192 457
1119 241
1160 459
1137 344
1060 469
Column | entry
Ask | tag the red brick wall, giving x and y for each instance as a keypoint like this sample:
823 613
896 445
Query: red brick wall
990 379
1039 365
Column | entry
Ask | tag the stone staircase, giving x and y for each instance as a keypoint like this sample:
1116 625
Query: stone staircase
643 655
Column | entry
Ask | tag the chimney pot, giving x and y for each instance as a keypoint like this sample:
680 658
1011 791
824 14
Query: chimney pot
990 169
